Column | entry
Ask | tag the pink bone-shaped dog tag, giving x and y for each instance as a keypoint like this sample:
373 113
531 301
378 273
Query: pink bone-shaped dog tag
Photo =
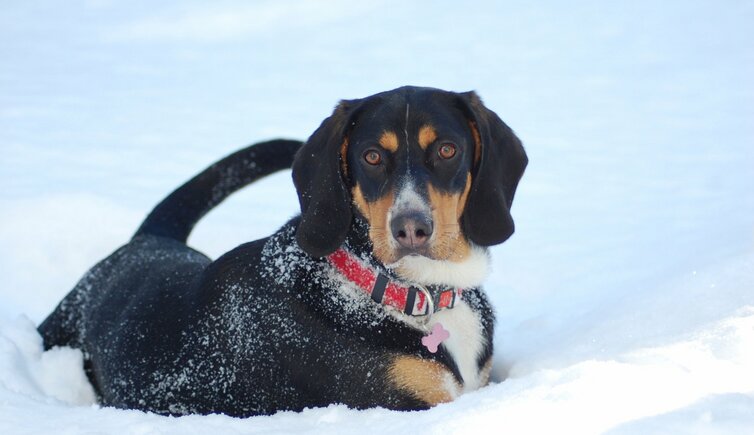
437 336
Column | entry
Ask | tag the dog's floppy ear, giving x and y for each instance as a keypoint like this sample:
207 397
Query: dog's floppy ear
322 192
499 165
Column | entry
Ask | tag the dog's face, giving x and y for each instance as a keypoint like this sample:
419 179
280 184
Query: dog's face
431 172
409 174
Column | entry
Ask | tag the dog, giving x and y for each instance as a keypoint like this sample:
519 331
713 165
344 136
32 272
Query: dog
371 297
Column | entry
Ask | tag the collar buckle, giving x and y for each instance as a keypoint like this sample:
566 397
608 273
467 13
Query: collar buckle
428 297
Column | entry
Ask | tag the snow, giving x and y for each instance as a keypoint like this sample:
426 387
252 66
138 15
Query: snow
625 299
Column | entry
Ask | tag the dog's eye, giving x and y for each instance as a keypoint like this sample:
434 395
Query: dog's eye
447 150
373 157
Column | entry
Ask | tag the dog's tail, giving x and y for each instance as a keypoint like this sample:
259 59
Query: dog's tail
177 214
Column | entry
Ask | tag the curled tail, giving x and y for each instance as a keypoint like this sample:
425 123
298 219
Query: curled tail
177 214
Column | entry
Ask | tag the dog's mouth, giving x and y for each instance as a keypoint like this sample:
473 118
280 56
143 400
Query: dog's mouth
402 259
467 273
421 252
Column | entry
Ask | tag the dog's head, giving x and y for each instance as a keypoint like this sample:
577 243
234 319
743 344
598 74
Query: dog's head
431 172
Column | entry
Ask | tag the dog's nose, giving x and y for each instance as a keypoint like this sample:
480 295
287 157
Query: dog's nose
411 230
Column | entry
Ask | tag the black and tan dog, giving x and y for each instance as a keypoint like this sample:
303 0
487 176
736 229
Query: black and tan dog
371 297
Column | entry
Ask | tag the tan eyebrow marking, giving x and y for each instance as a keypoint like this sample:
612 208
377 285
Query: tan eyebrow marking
389 141
427 135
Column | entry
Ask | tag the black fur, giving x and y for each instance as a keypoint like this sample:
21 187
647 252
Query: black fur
177 214
264 327
487 219
323 196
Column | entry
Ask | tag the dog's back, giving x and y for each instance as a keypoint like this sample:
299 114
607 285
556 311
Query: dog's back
142 297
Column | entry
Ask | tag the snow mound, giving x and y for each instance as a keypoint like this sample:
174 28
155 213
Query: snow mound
703 380
721 414
25 369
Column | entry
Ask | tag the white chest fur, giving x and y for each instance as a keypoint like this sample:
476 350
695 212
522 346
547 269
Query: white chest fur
465 342
466 339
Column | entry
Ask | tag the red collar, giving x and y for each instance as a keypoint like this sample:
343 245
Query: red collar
411 300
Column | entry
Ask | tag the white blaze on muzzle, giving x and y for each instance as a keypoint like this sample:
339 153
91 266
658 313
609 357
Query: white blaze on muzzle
408 201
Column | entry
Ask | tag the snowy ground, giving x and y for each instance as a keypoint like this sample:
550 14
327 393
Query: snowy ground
625 299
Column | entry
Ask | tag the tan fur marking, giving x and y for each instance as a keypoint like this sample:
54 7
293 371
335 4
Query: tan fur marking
344 156
464 196
376 214
477 142
449 242
484 374
426 380
427 135
389 141
360 201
